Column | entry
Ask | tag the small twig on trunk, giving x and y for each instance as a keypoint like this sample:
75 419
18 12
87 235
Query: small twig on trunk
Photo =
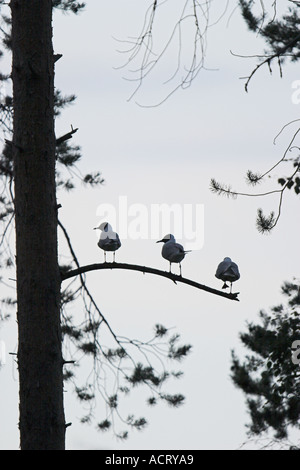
58 141
65 137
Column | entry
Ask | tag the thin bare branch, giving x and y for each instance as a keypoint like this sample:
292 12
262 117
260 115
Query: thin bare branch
144 269
269 58
194 19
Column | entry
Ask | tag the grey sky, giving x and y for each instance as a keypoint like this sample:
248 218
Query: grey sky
168 154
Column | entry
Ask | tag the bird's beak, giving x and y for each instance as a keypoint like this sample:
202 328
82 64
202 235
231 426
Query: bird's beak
95 228
159 241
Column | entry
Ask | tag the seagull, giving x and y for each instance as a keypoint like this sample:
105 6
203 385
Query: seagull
172 251
227 271
109 240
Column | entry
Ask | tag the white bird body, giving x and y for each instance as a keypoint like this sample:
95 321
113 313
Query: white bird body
172 251
227 271
109 240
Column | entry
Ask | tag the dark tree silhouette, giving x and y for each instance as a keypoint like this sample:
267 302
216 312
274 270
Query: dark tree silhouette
30 180
269 375
40 363
32 168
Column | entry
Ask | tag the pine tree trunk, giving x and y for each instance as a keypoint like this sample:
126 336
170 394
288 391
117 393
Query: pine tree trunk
42 423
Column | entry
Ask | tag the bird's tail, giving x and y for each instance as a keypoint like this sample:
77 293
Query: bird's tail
225 286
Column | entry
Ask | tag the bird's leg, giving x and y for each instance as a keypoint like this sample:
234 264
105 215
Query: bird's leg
170 267
104 256
231 288
180 270
114 256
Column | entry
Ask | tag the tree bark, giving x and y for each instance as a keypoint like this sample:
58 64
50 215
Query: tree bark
42 423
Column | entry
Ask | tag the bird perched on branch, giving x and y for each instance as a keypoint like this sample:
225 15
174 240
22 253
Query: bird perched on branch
227 271
109 240
172 251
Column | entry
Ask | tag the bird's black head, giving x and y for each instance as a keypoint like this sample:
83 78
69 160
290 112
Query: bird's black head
166 238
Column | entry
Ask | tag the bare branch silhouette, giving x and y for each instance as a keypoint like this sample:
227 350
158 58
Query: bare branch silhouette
145 269
193 19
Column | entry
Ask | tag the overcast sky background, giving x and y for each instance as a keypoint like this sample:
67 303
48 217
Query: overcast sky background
167 154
